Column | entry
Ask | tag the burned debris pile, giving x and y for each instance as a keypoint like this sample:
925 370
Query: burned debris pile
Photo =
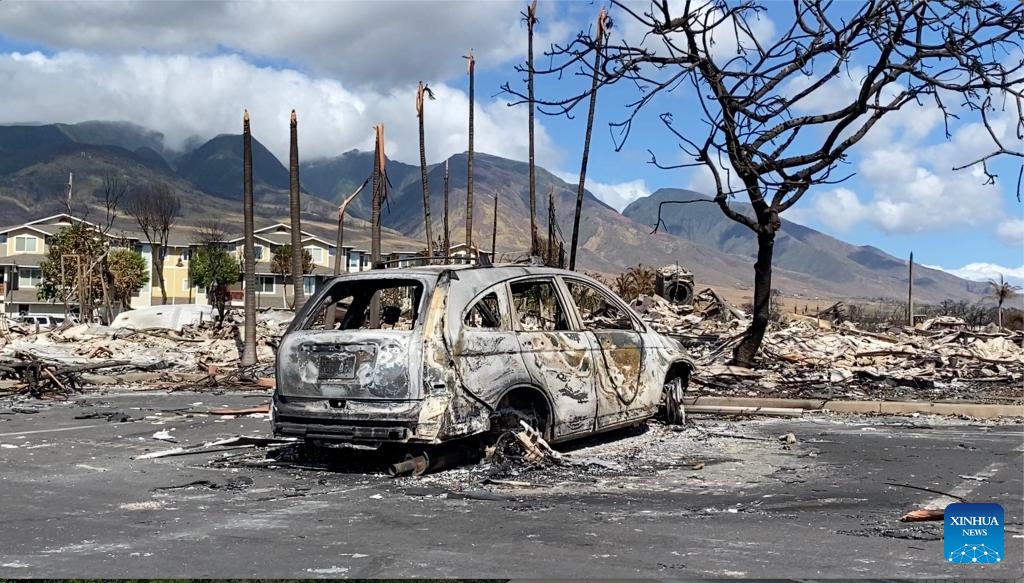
57 362
827 356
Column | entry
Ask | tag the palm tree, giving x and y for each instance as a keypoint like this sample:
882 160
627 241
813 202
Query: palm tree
293 203
471 65
1002 291
378 194
447 239
494 231
340 243
602 18
421 92
249 351
531 20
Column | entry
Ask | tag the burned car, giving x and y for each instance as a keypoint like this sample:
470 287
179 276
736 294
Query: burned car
426 355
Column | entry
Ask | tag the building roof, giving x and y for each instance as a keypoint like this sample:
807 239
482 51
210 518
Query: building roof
23 259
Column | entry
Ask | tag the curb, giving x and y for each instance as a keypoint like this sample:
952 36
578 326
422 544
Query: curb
976 410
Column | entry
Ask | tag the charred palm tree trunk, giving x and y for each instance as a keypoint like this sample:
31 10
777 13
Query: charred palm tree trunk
447 233
294 202
550 255
249 248
421 92
531 20
494 231
378 194
469 163
601 19
340 243
379 183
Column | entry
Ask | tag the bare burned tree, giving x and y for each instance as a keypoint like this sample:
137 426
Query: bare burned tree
768 133
113 190
156 209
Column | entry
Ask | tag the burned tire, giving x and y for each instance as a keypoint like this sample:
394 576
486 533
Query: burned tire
674 413
679 292
520 405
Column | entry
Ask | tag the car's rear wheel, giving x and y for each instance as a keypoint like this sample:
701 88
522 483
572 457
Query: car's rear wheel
674 389
522 405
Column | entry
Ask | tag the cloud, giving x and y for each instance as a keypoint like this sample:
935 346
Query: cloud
1011 233
986 272
185 96
383 44
617 195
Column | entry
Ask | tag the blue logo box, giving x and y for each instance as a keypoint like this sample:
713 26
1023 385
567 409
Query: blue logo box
973 533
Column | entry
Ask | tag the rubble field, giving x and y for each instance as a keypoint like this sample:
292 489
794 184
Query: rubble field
802 357
827 357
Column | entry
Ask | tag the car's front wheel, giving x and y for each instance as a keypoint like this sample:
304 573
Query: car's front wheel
673 392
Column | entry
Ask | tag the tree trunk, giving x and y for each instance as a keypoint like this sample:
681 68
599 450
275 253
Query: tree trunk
586 142
745 351
447 233
378 196
340 246
428 230
999 314
469 161
158 267
494 231
531 20
249 250
294 204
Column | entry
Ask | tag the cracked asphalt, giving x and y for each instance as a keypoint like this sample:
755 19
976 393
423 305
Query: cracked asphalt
721 498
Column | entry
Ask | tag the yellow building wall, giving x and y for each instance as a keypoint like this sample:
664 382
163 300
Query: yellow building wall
9 249
174 278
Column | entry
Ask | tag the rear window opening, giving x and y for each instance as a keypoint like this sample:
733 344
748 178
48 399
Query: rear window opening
385 304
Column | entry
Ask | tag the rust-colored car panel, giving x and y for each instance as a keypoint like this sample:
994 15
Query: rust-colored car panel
432 354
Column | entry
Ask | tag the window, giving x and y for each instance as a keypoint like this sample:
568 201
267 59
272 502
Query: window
265 284
185 255
486 313
25 244
537 306
258 252
316 253
308 285
332 251
596 309
29 277
184 284
348 306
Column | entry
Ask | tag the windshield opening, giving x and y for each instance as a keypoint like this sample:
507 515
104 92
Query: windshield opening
366 304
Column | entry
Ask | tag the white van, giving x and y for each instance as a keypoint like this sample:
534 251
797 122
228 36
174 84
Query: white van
43 321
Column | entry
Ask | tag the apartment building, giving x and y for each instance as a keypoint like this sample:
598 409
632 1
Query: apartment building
23 247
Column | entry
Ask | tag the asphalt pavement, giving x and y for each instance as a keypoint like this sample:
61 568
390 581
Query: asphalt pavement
723 498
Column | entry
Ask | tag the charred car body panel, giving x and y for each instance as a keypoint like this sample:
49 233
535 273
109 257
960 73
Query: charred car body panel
430 354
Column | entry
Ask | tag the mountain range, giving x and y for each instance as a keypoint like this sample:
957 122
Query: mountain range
35 161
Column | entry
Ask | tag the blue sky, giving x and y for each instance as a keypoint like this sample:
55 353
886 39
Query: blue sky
186 69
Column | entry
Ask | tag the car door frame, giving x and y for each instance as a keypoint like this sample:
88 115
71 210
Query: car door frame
562 364
616 352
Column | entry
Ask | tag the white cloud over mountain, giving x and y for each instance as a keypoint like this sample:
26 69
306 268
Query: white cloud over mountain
185 96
